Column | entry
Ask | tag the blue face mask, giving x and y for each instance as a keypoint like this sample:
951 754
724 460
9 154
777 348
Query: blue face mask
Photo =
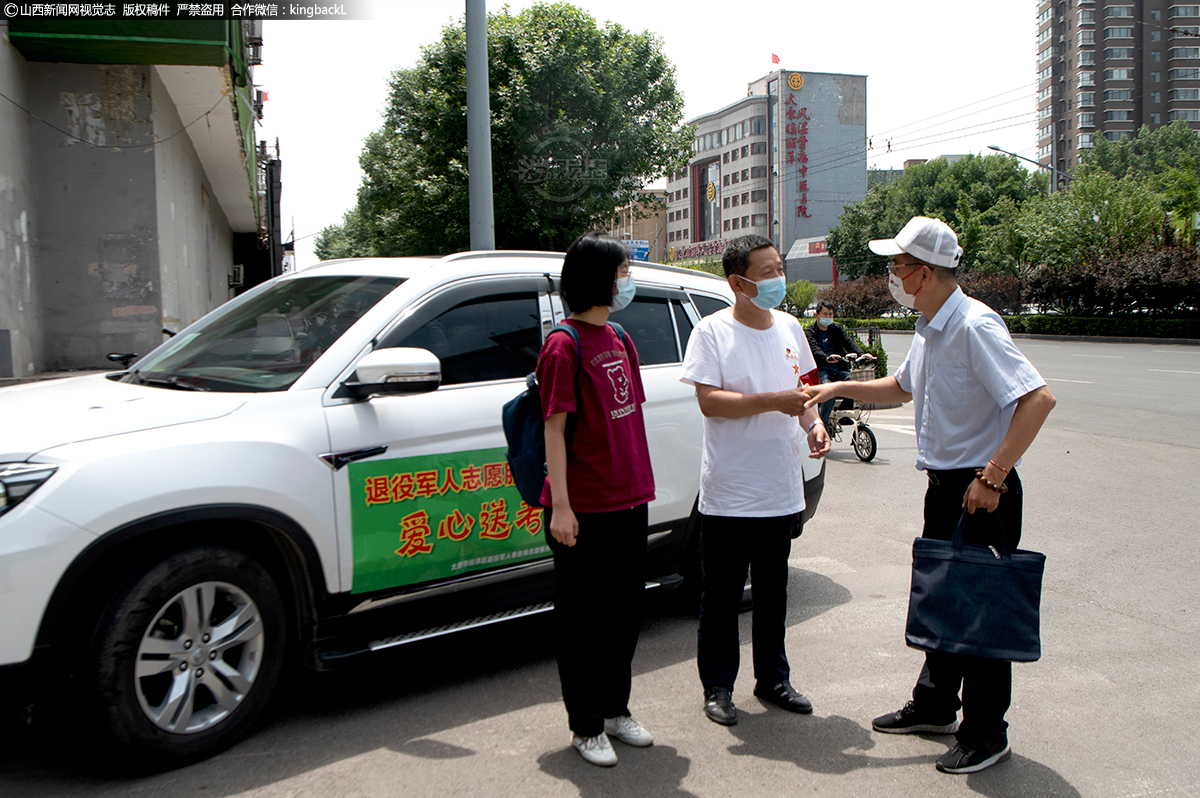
770 292
823 321
625 291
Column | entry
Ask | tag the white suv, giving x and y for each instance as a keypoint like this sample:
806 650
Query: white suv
315 469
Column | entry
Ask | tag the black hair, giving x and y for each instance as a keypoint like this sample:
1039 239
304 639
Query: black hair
823 304
737 253
589 270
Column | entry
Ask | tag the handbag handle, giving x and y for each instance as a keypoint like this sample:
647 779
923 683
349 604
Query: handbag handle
960 531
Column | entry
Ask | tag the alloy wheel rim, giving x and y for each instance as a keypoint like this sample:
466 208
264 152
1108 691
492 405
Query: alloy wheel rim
199 657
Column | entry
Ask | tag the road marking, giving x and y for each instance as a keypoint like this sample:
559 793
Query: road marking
1081 382
907 430
1181 351
1174 371
1109 357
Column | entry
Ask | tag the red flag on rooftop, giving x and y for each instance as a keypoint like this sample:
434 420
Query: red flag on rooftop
774 58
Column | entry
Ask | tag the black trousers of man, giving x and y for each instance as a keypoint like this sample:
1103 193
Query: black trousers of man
599 586
986 683
734 547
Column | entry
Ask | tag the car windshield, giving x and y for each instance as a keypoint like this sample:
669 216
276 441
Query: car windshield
266 343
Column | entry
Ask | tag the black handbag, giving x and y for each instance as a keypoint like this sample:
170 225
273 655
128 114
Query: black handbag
978 601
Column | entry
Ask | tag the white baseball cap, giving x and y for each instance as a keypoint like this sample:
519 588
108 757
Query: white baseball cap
928 240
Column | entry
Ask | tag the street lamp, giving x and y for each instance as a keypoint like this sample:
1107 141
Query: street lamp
1065 177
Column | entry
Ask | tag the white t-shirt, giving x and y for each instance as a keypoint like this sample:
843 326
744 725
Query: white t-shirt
751 466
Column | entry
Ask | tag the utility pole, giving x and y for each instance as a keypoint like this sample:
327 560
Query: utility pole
479 129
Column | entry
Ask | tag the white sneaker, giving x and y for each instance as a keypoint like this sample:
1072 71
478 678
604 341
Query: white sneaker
628 731
597 750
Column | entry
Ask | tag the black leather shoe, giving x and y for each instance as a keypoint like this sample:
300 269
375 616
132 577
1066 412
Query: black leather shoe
718 705
783 695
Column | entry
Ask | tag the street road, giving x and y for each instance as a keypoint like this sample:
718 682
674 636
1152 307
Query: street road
1110 710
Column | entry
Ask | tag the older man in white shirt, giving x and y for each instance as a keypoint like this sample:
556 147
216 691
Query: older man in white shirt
978 404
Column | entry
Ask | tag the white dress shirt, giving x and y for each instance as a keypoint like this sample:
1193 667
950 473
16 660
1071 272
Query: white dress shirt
965 375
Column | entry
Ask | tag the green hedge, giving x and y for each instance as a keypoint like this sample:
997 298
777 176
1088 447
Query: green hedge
1065 325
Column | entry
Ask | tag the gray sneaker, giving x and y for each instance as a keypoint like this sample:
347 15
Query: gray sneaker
628 731
597 750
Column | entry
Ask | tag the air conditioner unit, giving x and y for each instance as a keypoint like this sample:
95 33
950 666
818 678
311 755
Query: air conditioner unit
237 275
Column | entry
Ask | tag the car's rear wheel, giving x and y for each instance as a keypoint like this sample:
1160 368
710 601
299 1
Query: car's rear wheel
186 655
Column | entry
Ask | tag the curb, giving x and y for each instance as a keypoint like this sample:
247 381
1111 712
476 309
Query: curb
1098 339
6 382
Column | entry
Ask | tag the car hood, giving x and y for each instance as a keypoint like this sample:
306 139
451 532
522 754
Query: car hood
40 415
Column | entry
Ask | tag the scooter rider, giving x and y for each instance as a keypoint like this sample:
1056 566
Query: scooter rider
830 343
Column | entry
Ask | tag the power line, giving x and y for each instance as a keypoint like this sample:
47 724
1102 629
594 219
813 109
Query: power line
151 143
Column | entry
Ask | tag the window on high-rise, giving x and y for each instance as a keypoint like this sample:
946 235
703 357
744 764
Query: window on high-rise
1087 58
1118 33
1156 119
1085 140
1183 52
1087 120
1111 95
1087 79
1087 17
1119 11
1118 74
1085 99
1111 53
1185 94
1189 114
1189 73
1185 11
1118 116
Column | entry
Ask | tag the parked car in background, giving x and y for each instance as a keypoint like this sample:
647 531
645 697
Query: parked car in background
314 470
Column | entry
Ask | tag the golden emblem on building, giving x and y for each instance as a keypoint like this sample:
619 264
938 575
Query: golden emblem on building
711 191
795 81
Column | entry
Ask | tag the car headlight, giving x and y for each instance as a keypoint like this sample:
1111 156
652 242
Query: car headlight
18 480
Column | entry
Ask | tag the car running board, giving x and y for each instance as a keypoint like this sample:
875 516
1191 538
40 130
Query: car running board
487 620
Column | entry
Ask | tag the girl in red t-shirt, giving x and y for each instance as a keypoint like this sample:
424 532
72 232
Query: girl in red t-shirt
598 486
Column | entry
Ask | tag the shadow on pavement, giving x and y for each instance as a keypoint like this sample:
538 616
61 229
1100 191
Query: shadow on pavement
396 701
659 770
835 746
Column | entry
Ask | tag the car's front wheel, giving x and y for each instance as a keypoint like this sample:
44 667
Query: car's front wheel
186 655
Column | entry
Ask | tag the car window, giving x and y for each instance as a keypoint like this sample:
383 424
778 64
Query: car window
708 305
682 323
266 342
648 322
493 337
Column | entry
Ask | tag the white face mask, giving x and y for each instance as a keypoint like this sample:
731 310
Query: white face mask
896 287
824 322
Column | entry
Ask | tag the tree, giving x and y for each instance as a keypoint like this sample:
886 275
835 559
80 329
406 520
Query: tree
800 295
348 240
582 117
973 195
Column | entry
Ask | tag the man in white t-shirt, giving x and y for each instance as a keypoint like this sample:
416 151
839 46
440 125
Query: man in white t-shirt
748 364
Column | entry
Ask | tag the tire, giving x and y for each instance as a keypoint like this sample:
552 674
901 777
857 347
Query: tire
185 657
864 443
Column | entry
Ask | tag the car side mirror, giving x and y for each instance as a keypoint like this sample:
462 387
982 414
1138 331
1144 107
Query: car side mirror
396 370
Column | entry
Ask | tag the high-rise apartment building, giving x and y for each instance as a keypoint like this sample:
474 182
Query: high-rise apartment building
1107 67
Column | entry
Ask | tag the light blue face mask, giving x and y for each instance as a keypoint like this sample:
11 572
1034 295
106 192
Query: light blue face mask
625 291
771 292
824 322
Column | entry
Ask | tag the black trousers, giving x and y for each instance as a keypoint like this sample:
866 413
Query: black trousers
986 684
734 547
599 586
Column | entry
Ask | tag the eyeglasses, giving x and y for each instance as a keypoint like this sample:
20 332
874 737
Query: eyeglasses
912 266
